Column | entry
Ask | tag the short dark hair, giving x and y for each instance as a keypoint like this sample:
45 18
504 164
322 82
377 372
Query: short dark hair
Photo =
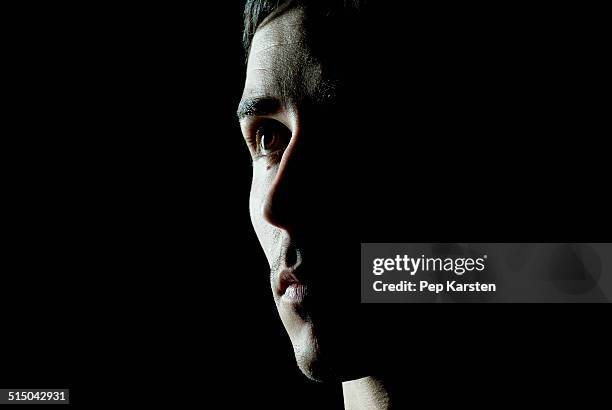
257 11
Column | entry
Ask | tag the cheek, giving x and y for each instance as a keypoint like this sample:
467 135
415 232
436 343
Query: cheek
255 203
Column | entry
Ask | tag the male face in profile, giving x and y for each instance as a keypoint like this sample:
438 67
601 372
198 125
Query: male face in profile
313 114
298 116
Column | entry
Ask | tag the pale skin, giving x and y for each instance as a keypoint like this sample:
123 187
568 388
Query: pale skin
275 46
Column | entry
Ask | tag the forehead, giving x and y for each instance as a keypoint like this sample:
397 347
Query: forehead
280 64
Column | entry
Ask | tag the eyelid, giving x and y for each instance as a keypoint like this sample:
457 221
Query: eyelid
255 127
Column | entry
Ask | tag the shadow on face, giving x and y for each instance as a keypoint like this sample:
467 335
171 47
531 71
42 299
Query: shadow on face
301 119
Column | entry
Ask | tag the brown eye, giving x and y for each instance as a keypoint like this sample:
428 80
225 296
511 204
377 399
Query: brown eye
271 138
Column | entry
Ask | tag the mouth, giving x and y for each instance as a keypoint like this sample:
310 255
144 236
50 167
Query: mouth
289 288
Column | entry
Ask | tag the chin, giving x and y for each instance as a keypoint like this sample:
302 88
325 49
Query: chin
312 364
324 362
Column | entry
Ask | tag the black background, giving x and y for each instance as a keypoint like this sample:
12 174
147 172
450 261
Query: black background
130 267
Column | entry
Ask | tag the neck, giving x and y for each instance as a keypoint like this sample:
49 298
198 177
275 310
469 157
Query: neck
369 393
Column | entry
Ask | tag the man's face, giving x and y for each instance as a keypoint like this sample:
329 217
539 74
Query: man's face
285 102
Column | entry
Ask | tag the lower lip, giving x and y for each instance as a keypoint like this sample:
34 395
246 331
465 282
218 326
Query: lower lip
294 293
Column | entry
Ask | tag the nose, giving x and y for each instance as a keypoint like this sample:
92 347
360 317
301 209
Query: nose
284 200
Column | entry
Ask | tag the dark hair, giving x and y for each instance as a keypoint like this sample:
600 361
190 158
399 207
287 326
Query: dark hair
258 11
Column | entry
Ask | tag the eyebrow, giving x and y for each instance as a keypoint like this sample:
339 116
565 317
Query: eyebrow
251 107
